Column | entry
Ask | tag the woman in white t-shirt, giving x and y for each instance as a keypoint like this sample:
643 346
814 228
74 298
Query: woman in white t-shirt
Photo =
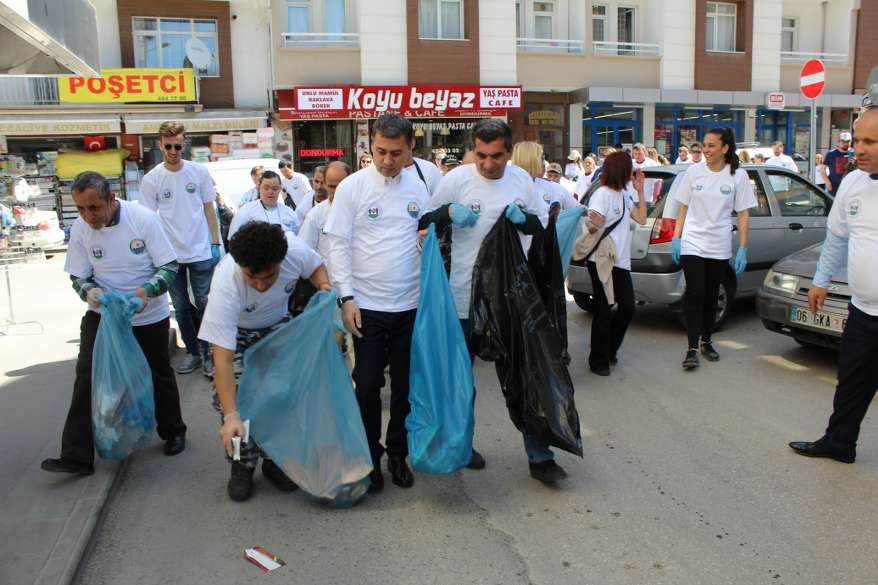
610 207
589 169
573 169
529 156
708 194
818 170
268 207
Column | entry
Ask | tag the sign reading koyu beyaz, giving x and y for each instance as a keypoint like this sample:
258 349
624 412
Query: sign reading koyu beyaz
129 85
414 101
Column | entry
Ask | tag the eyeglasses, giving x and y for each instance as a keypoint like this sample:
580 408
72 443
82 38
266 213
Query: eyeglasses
695 151
174 146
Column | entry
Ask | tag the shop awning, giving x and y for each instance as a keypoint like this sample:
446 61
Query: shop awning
60 125
207 121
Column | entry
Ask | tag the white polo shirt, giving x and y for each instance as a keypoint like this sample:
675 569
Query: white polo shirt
123 257
551 192
432 174
179 198
854 215
488 199
372 227
232 303
280 215
711 198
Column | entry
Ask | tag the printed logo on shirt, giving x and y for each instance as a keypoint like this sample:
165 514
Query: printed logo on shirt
854 207
290 286
546 197
476 206
97 252
698 187
167 194
373 213
250 308
725 190
413 209
137 246
288 225
190 187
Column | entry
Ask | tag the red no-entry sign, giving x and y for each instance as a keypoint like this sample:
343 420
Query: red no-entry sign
812 79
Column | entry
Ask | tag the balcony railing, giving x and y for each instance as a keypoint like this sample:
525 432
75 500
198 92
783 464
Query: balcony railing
550 45
320 40
28 90
797 57
608 49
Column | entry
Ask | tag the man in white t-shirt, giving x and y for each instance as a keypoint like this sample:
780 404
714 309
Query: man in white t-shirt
641 161
182 193
473 198
852 243
312 230
249 299
120 247
298 187
253 193
780 159
372 230
267 207
684 158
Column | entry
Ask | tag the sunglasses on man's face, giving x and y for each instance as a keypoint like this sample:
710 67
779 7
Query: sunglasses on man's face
174 146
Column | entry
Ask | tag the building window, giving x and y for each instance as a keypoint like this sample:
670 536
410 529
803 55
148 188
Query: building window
161 42
298 16
722 20
625 28
599 23
544 16
788 40
518 19
440 19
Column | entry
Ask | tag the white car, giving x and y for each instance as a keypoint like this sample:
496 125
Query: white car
232 176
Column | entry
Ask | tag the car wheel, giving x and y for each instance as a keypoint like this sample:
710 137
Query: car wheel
584 301
723 305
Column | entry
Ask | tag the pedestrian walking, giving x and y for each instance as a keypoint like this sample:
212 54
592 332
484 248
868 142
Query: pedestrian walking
702 239
851 243
529 157
252 194
120 247
298 187
267 208
372 229
365 161
779 159
312 230
589 175
181 191
695 149
573 170
835 163
819 171
683 157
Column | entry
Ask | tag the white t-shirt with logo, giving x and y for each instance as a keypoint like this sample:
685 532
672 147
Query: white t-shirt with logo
179 198
372 228
312 230
488 199
782 160
854 215
432 174
280 215
613 205
123 257
551 192
711 198
232 303
299 188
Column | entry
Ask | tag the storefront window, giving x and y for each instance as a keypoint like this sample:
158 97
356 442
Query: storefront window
321 142
436 138
606 125
677 125
545 123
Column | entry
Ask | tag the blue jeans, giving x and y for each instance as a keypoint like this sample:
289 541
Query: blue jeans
196 275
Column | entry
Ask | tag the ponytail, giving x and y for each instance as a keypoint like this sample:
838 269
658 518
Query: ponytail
727 138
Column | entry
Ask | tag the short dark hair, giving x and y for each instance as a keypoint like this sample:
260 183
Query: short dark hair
92 180
258 246
392 125
490 129
270 175
284 164
616 171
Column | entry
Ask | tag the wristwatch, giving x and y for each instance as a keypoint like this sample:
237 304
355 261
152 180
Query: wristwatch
343 300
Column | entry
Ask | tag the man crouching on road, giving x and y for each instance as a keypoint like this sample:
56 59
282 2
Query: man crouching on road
249 298
121 247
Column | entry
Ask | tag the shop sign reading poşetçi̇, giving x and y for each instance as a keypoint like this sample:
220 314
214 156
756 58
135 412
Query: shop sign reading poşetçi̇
412 101
129 85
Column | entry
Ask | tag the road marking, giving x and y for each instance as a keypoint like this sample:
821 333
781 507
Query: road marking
732 344
776 360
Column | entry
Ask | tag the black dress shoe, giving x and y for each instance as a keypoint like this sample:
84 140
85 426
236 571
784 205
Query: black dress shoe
476 461
376 480
547 472
175 445
400 474
821 449
62 465
600 370
240 486
690 362
709 353
276 475
613 360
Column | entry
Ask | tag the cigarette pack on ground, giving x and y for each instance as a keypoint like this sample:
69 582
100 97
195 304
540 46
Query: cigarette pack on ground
263 559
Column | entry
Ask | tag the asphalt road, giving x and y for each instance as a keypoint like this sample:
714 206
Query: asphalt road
686 479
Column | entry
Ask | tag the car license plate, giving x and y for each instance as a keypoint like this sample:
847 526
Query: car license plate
820 319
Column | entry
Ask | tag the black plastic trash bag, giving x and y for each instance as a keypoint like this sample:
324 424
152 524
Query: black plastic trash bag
544 260
511 327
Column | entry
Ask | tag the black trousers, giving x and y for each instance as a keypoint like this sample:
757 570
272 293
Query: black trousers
857 379
608 328
703 276
77 440
387 339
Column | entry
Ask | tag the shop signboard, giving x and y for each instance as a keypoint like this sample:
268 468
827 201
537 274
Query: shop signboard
129 86
24 126
321 152
412 101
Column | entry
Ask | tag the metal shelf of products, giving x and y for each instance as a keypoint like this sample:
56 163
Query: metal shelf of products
65 205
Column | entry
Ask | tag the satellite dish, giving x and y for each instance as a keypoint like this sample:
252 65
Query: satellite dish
198 53
871 89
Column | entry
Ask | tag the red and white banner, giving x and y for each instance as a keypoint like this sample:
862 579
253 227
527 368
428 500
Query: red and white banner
412 101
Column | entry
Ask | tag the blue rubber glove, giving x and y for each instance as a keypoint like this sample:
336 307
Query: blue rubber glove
740 260
515 214
462 216
676 250
216 250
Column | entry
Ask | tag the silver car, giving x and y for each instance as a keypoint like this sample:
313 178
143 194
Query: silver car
790 215
782 302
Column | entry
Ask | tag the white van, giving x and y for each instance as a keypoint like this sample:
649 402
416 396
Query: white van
232 175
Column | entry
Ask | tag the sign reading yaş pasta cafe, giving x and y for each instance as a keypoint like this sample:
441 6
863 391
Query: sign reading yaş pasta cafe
128 86
412 101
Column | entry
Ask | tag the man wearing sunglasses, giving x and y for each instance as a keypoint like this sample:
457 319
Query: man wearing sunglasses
182 193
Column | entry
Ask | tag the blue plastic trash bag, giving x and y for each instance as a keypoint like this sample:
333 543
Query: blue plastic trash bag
303 413
567 228
122 404
440 424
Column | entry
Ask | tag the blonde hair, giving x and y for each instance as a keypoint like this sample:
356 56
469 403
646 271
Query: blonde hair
168 129
529 156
